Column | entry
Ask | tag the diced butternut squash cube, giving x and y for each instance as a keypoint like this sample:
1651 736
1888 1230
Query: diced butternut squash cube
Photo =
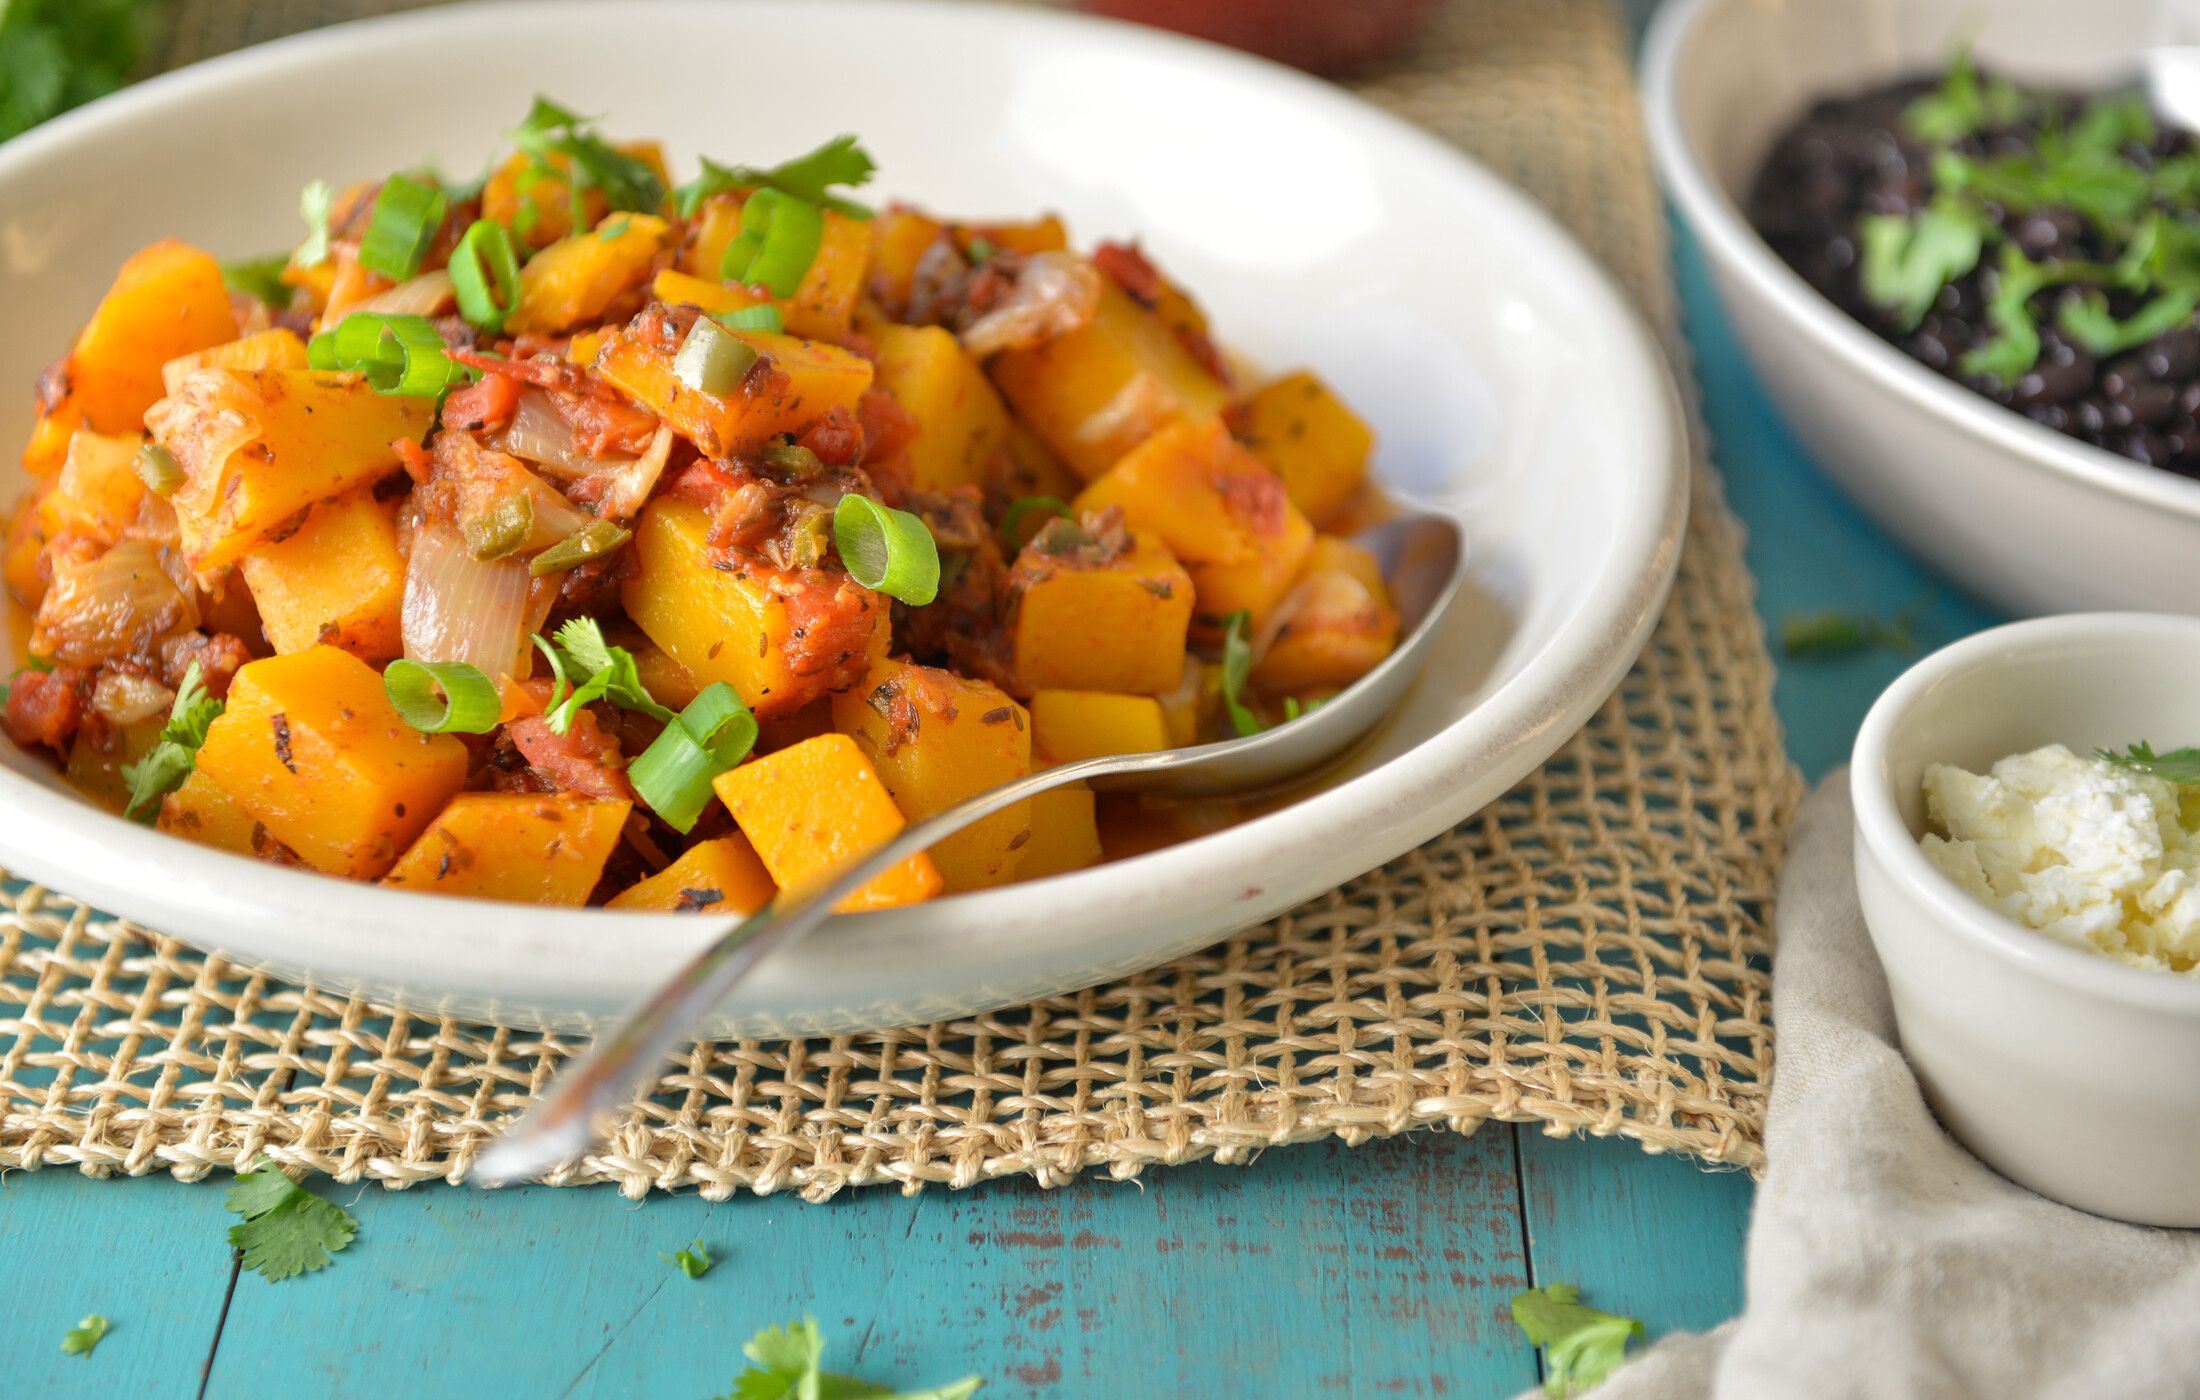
338 581
1025 466
1227 517
312 748
275 348
825 301
961 423
49 444
937 739
710 877
519 847
259 447
200 811
899 238
576 279
1193 705
676 288
98 491
538 209
796 382
1068 725
815 808
1333 627
1044 234
1064 834
1098 619
1306 435
101 751
722 625
1106 387
168 300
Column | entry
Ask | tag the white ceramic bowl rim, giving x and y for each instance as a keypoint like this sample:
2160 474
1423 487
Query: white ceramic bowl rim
1715 217
1879 821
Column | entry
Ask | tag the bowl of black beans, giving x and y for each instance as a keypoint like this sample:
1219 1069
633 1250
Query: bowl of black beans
1963 254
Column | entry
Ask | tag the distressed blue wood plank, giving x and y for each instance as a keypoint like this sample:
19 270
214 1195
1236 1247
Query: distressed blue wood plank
150 1255
1655 1237
1317 1270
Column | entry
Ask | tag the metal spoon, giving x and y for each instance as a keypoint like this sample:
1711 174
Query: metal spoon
1424 559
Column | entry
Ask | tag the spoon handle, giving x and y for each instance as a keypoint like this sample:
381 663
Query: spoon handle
562 1123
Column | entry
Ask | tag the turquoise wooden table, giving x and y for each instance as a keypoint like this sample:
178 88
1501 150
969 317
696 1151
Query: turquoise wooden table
1318 1270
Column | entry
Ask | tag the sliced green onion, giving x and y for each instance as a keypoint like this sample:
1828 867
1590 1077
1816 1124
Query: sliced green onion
590 542
485 275
406 215
157 468
504 529
779 239
887 549
443 697
713 362
673 775
764 317
1012 519
1237 664
398 354
314 202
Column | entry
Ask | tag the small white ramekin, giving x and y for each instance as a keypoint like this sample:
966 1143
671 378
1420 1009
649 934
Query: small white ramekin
2070 1074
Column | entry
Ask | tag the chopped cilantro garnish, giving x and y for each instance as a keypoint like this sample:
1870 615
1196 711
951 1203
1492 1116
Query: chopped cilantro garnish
1906 261
286 1229
2176 766
840 161
2087 321
80 1339
590 162
163 769
260 279
1580 1344
786 1364
694 1261
1237 665
605 673
1963 105
2015 346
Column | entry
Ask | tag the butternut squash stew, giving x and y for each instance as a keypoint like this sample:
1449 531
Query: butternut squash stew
571 537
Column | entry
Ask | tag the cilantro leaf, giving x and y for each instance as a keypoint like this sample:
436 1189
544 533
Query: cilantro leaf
1580 1344
314 204
260 279
80 1339
590 163
163 769
58 54
785 1365
2177 766
1962 105
694 1261
840 161
1906 261
1237 664
607 672
2087 320
286 1230
2015 346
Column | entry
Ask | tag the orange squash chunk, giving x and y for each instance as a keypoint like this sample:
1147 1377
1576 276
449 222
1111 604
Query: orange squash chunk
519 847
167 300
824 302
1065 836
710 877
1068 725
1333 627
311 747
200 811
1104 621
339 580
1306 435
98 491
25 541
269 349
962 425
796 383
1217 509
574 280
813 809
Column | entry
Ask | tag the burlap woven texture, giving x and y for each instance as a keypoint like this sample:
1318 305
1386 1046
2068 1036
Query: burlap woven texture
1589 954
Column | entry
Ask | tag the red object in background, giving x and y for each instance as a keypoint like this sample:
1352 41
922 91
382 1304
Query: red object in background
1321 36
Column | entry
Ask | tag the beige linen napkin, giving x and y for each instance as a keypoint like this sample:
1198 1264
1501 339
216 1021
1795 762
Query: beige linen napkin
1884 1260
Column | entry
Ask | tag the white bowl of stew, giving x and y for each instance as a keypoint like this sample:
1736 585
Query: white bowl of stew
1506 378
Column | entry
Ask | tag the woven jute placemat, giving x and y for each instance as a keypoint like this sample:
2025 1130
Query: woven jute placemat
1589 953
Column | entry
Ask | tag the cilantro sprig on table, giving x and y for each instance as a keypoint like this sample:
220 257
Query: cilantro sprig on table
86 1335
2150 213
286 1230
694 1261
785 1363
1580 1344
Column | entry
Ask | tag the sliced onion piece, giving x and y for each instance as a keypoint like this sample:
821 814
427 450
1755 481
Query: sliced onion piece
540 434
459 608
429 294
121 602
631 484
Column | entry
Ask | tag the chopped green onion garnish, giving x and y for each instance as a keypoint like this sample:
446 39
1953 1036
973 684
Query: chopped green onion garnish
313 206
1013 518
443 697
157 468
673 775
765 317
398 354
590 542
260 278
711 361
1237 664
779 239
504 529
485 275
169 762
406 215
887 549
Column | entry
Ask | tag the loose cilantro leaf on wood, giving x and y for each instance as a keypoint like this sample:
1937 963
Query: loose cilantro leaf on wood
1906 261
80 1339
58 54
2177 766
785 1365
694 1261
1580 1344
163 769
287 1230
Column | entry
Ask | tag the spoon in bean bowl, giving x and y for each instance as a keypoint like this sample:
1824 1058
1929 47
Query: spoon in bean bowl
1423 559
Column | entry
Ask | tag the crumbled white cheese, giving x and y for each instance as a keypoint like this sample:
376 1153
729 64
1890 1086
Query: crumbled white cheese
2095 855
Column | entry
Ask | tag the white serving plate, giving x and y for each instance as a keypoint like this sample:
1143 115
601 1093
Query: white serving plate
2026 517
1508 379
